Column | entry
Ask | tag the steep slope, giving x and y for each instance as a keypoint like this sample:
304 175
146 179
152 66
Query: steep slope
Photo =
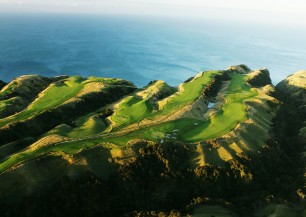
292 91
289 142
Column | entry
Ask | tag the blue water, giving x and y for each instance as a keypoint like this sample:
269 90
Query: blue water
143 49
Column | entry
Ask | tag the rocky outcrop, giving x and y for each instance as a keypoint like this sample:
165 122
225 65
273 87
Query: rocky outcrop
240 69
157 90
293 88
260 78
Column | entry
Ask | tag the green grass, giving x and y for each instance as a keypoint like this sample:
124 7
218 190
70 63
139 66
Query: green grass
151 132
5 103
54 95
9 88
87 126
191 92
232 112
131 109
59 93
135 108
62 130
71 147
84 126
102 80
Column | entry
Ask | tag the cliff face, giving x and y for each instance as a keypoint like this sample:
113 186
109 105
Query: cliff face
214 140
260 78
292 91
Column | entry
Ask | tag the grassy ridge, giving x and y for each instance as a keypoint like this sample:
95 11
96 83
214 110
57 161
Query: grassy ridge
5 103
191 91
56 94
131 109
137 107
69 147
232 112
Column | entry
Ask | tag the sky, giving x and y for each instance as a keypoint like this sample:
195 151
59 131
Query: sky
281 11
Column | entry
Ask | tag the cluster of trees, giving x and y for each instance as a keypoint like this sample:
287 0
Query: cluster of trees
159 180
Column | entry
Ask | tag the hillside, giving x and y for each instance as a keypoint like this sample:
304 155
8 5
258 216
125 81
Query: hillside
292 91
215 144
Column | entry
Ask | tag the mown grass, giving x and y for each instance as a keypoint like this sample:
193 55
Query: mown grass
131 109
190 130
191 92
56 94
135 108
232 112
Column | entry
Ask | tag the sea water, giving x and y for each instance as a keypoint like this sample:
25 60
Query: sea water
142 49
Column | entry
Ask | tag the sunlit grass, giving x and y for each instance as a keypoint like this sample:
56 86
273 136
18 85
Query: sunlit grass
232 112
56 94
135 108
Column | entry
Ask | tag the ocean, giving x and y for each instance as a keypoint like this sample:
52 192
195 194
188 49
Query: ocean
142 49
